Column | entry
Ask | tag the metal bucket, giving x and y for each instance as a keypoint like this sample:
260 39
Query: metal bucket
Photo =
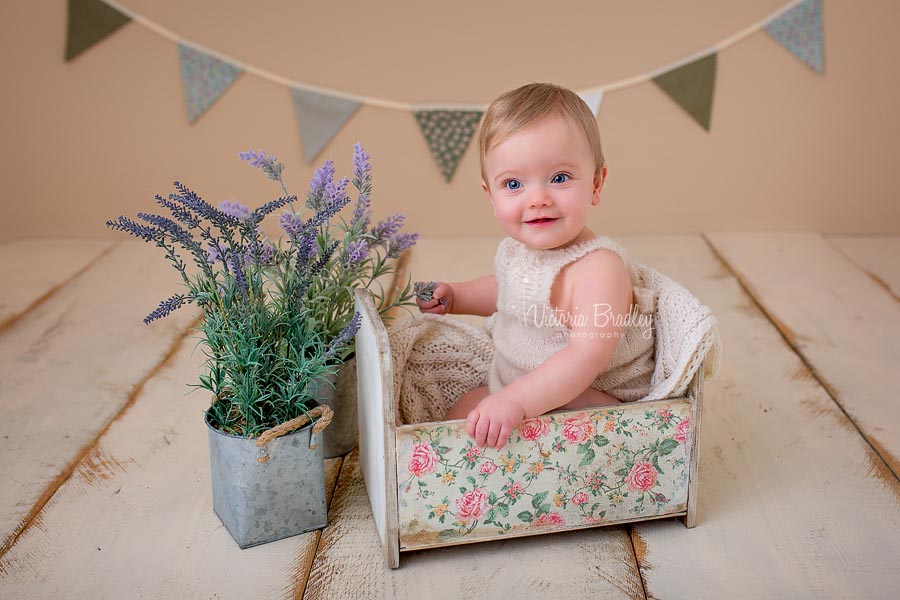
281 496
339 393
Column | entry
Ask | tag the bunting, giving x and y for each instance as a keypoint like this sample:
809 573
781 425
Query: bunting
90 21
448 133
799 30
207 75
320 117
691 86
205 78
593 100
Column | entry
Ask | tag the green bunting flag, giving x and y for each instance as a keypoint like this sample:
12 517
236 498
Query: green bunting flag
89 22
320 117
691 86
448 133
205 78
800 31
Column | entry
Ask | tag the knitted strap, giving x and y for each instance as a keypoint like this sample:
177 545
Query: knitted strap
324 412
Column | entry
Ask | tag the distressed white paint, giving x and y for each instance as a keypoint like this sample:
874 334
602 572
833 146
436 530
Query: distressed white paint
69 365
878 255
844 323
136 518
792 501
30 270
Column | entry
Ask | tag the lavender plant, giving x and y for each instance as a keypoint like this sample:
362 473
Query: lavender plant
358 254
262 330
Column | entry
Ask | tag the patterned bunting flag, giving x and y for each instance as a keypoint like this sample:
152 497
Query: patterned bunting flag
448 133
205 78
320 117
593 101
800 31
89 22
691 86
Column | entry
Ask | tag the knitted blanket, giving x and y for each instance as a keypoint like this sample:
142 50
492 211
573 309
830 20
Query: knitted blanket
437 359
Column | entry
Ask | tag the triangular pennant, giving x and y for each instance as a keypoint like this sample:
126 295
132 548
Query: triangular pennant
448 133
205 78
691 86
800 31
593 101
320 117
89 22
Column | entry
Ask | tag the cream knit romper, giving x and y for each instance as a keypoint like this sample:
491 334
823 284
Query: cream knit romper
526 332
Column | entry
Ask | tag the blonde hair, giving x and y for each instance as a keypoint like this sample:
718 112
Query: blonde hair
530 103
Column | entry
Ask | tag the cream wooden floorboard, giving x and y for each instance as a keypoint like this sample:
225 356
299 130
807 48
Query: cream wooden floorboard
844 323
31 270
136 517
878 255
793 503
69 366
349 564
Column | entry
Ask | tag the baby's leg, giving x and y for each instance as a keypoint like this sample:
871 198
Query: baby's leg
588 398
470 400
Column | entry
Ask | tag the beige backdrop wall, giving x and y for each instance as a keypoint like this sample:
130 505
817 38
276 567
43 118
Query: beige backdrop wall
87 140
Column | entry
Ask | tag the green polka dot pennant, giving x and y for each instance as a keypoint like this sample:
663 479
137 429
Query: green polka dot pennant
448 133
205 78
90 21
691 86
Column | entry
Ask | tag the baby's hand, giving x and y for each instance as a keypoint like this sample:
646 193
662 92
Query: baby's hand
493 420
433 297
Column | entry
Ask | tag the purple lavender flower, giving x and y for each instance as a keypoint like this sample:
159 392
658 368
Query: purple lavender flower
344 336
384 230
291 223
212 254
401 244
235 209
361 165
165 307
322 178
268 164
357 252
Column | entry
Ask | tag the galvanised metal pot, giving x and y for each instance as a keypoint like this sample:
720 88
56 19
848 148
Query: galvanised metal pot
273 486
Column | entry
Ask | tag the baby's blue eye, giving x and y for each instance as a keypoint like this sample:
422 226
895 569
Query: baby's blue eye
513 184
560 178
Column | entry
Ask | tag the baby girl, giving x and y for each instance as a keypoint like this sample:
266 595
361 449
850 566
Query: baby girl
561 303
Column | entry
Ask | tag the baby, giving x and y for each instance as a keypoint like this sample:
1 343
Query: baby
559 302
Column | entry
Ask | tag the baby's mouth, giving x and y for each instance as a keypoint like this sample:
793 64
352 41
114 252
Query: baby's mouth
541 221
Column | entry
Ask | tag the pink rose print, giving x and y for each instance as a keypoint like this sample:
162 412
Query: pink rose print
488 468
577 430
471 505
474 453
423 460
579 498
514 491
532 429
683 431
664 414
547 519
642 476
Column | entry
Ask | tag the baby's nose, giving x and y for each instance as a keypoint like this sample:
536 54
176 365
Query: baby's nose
539 197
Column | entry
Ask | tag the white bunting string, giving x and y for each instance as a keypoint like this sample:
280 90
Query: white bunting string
395 105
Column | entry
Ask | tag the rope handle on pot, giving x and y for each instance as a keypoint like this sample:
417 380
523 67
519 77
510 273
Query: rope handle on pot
324 413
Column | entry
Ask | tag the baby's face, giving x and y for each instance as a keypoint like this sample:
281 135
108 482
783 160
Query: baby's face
541 182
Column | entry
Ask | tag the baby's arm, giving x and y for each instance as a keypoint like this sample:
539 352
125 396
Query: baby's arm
601 281
473 297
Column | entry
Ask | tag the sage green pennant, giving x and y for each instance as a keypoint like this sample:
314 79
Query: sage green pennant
320 117
89 22
691 86
448 133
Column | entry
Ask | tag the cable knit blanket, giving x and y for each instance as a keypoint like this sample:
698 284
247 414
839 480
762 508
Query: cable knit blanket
437 359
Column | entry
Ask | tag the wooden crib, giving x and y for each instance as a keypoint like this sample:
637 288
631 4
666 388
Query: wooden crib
429 486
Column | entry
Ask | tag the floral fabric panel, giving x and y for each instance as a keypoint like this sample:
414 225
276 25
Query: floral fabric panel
559 471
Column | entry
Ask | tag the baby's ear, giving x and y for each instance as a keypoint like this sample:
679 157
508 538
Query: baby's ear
599 178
